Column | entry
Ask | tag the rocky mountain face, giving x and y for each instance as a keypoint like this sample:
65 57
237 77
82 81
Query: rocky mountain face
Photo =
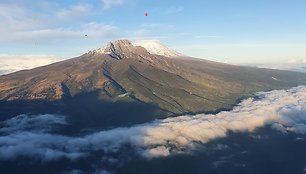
125 84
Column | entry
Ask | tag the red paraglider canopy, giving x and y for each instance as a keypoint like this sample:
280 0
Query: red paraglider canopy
146 14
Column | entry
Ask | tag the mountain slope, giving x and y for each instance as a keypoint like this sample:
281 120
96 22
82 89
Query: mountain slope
125 84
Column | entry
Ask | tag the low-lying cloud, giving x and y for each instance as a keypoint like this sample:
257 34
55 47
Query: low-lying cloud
12 63
298 65
284 110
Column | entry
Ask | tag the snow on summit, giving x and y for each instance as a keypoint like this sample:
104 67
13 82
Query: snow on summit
155 47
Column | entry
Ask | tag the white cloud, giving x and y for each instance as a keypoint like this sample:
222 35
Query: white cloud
292 61
15 18
92 30
21 16
74 12
21 24
283 109
55 35
109 3
12 63
291 65
41 123
160 151
31 134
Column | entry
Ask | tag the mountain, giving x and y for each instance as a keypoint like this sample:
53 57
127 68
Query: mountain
155 47
123 84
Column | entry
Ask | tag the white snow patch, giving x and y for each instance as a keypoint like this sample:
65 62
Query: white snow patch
274 78
155 47
102 51
123 95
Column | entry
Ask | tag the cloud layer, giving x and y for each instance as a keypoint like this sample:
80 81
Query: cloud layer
12 63
284 110
291 65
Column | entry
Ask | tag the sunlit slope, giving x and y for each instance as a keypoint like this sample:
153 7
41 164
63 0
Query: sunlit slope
186 86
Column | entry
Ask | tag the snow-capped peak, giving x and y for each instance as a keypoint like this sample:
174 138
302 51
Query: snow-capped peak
120 49
155 47
102 50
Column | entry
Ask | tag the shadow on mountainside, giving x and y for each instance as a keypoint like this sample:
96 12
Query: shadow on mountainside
86 111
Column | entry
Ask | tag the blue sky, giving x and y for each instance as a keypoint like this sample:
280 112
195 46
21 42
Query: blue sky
233 31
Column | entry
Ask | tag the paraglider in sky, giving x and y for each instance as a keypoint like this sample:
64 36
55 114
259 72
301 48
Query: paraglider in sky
146 14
